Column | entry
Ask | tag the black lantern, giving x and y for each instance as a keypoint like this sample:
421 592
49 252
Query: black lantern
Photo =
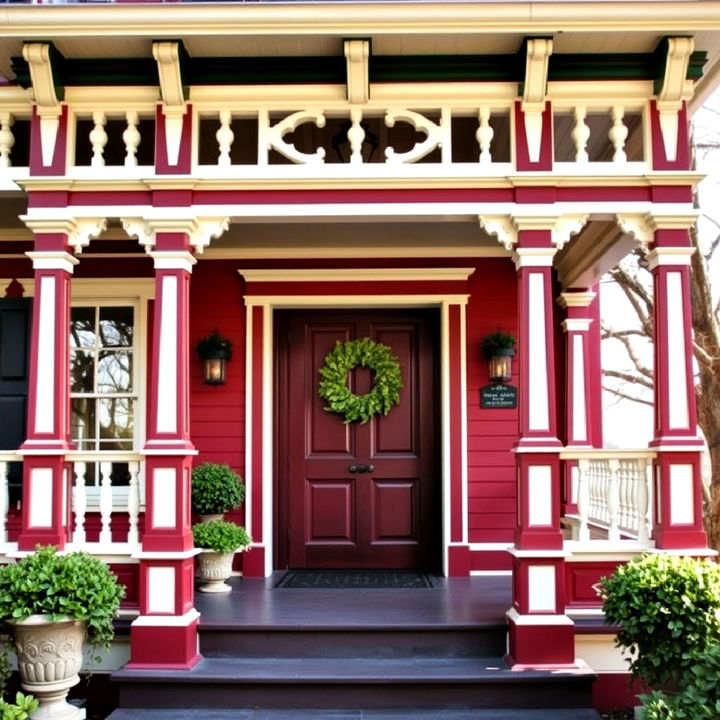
216 352
499 350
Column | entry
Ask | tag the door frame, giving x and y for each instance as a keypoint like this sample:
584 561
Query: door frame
366 288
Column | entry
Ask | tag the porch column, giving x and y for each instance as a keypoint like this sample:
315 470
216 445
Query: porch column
583 382
165 633
540 633
47 482
678 490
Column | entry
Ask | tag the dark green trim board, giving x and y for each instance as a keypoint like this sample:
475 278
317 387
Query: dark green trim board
447 68
267 70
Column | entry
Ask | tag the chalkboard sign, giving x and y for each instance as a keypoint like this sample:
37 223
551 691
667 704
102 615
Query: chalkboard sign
498 396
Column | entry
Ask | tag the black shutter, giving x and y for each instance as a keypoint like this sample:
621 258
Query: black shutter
15 314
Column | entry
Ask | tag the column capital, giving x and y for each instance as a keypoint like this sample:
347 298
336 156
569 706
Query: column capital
576 299
200 230
169 260
79 231
642 226
507 228
51 260
669 256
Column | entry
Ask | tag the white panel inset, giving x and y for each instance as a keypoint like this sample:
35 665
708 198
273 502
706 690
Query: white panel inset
682 507
161 590
541 588
41 497
167 357
677 362
164 498
45 384
539 412
579 422
539 495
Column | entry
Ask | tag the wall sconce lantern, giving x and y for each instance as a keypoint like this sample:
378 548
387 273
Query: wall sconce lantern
216 352
499 350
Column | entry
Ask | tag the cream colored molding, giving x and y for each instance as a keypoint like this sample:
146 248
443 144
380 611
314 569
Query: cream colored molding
535 91
37 56
167 56
600 95
673 92
79 231
357 58
51 260
503 227
674 256
576 299
358 275
642 226
115 101
534 257
199 230
565 227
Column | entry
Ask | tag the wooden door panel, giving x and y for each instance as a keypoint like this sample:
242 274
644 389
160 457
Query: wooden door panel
335 511
395 510
330 515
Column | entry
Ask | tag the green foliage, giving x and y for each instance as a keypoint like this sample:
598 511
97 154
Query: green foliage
366 353
20 709
667 609
497 341
699 698
74 585
216 489
214 345
220 536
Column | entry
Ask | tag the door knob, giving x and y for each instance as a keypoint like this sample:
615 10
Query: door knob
353 468
361 468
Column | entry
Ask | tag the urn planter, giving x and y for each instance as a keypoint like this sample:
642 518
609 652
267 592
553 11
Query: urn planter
215 568
49 655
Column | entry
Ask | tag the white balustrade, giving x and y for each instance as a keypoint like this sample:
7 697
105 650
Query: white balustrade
131 137
613 495
7 139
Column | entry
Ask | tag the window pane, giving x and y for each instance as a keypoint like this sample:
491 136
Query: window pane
82 327
83 421
116 326
114 372
116 423
81 372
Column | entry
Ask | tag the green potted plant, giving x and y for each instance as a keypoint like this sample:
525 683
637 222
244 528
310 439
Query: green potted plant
21 709
219 540
216 489
667 610
499 344
51 604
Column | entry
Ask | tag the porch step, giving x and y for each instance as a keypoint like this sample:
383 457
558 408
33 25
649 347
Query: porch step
211 713
407 683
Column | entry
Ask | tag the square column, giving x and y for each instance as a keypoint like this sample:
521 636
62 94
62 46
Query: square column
46 475
165 633
678 484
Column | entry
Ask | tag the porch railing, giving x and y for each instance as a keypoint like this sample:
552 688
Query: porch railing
114 509
241 140
612 491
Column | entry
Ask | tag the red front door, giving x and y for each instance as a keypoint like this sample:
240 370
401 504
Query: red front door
358 496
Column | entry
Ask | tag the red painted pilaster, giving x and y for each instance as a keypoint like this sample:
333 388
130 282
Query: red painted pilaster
173 140
46 476
167 618
48 140
670 137
678 483
533 139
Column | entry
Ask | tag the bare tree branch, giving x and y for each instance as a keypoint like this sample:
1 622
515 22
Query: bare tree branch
630 350
618 392
629 377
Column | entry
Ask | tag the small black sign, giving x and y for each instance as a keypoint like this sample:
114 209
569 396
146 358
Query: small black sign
498 396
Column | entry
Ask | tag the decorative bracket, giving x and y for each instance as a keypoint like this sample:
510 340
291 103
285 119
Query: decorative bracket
357 57
534 92
640 226
140 229
437 135
199 230
565 227
167 57
503 227
672 92
37 56
271 137
207 229
84 231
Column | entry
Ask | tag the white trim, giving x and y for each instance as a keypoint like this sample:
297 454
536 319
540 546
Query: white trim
464 422
576 324
353 252
164 483
538 401
678 411
45 378
490 546
167 357
49 260
185 620
272 303
579 409
491 573
41 497
682 506
161 589
162 555
357 275
541 588
554 620
539 500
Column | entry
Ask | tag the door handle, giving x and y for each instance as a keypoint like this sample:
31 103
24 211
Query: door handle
353 468
361 468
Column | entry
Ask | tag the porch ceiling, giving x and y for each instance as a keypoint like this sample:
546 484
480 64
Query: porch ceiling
281 29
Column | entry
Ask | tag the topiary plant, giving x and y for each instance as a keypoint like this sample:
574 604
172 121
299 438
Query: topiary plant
220 536
74 585
216 489
667 609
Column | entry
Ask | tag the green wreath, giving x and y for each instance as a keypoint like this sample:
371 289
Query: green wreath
366 353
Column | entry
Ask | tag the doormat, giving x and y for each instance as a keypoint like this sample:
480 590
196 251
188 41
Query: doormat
356 579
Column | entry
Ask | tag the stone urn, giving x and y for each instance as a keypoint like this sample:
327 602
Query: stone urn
49 655
215 568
